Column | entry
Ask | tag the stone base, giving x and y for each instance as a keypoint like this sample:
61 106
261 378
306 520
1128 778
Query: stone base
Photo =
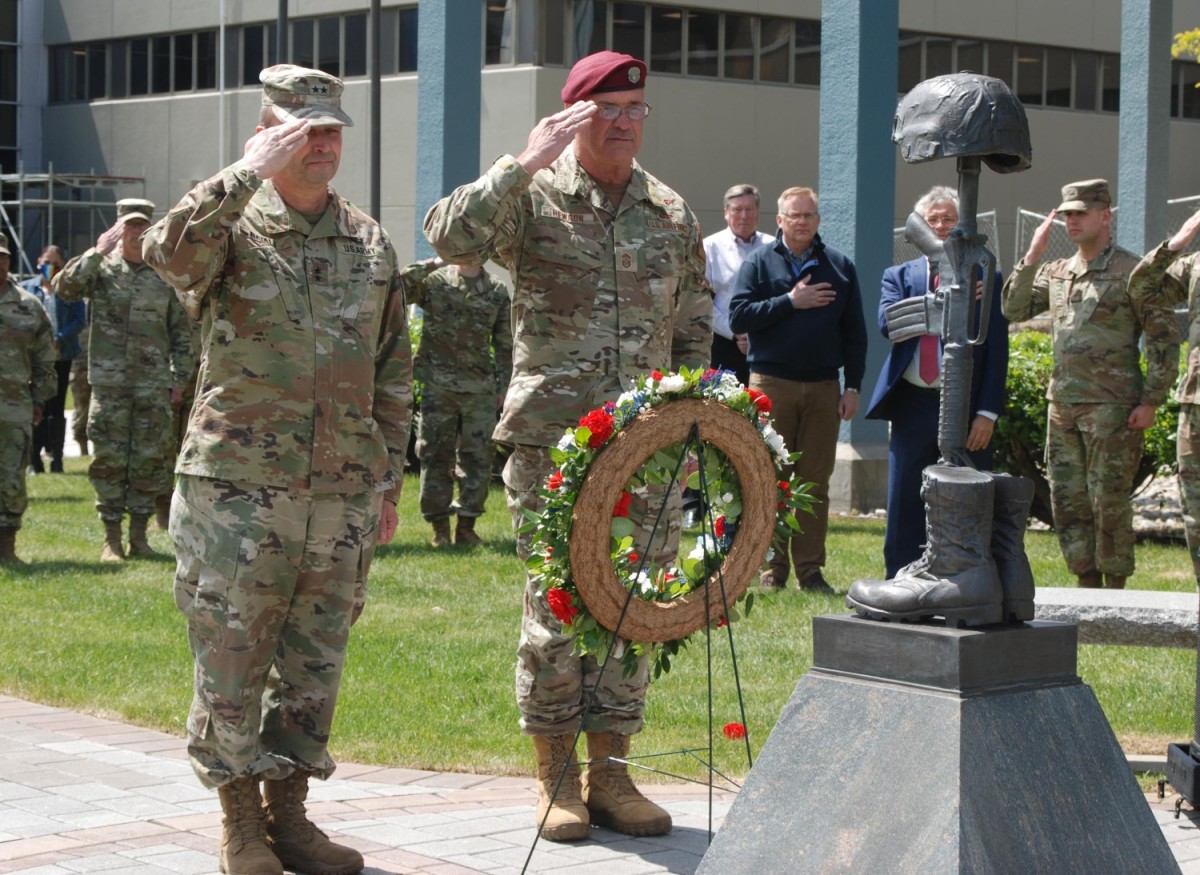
859 481
920 748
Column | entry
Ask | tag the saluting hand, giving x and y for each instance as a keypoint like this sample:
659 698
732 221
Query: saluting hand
270 150
108 239
553 133
1185 234
1041 240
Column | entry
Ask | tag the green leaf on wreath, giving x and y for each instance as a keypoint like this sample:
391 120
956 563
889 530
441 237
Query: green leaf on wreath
622 528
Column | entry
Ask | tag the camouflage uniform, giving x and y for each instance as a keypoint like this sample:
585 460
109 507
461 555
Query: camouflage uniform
1091 453
298 432
600 295
138 348
1168 279
26 378
81 388
465 318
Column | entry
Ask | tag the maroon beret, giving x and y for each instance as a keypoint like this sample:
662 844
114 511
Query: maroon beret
603 71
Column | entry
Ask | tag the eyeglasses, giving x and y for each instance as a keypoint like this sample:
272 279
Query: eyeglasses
610 112
796 217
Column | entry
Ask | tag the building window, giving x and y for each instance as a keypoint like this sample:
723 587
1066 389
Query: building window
1110 83
1029 75
629 29
206 59
329 46
775 37
808 53
703 42
666 39
8 73
139 66
1087 80
1058 77
160 64
302 48
184 45
354 45
738 54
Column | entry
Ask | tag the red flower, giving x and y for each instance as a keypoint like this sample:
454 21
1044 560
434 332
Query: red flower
761 401
633 558
723 622
656 375
622 506
555 481
600 423
732 731
561 605
785 488
719 526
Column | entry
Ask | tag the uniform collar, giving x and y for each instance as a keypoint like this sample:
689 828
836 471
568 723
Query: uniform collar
269 212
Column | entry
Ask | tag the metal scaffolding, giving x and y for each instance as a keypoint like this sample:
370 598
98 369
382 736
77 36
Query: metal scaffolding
68 209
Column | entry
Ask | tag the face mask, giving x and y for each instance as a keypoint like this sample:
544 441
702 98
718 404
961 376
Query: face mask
48 271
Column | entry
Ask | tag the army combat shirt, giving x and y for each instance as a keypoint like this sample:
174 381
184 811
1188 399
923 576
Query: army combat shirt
600 294
27 375
306 371
140 337
1167 279
1096 329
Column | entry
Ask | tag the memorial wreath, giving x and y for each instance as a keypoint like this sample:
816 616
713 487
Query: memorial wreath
583 553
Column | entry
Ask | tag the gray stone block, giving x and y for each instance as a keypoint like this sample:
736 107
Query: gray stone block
1122 616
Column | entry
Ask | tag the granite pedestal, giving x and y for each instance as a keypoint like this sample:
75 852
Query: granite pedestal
927 749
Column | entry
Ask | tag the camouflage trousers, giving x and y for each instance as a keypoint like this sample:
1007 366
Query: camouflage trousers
130 464
1188 455
16 443
454 442
554 684
81 398
1091 457
267 579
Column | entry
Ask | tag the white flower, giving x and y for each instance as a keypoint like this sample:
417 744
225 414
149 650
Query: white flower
625 398
705 546
644 583
567 441
727 498
672 383
775 441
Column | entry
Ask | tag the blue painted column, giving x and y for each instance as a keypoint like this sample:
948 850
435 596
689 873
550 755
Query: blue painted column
1144 146
449 64
857 186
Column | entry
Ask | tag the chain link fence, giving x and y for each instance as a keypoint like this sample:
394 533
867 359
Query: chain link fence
903 251
1060 246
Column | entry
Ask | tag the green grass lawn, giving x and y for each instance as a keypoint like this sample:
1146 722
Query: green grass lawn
429 682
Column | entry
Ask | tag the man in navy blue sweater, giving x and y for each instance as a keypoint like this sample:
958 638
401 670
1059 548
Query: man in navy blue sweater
799 302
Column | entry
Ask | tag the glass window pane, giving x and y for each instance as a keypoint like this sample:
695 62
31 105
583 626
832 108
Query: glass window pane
354 34
629 29
183 62
254 54
808 53
1110 82
554 47
1029 75
493 32
938 53
969 56
8 21
206 59
97 73
118 68
8 124
739 46
79 73
160 65
592 26
389 28
908 72
8 73
233 56
329 45
1058 77
775 36
8 160
302 44
139 66
406 61
1000 62
1189 74
703 35
666 39
1087 80
60 64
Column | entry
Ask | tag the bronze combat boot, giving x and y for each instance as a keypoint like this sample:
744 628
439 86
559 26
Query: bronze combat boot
955 577
8 546
609 794
441 534
561 814
113 550
1010 514
244 848
464 532
1115 581
298 844
138 545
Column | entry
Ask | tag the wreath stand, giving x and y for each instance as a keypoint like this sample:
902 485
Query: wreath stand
690 421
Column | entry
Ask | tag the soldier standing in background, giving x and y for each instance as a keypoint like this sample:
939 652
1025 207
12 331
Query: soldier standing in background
607 266
291 467
463 364
26 381
1100 406
140 355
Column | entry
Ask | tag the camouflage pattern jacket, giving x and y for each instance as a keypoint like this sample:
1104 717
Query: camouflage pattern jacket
597 298
306 371
27 374
1096 327
139 337
1167 279
466 335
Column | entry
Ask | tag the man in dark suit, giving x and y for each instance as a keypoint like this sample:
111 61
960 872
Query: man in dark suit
908 391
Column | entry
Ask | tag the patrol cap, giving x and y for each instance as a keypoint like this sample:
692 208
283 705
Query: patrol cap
135 208
300 93
601 72
4 244
1082 196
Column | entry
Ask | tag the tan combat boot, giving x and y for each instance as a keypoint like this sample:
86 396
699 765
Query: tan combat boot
138 545
298 844
244 848
609 794
8 547
561 814
113 551
464 532
441 534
